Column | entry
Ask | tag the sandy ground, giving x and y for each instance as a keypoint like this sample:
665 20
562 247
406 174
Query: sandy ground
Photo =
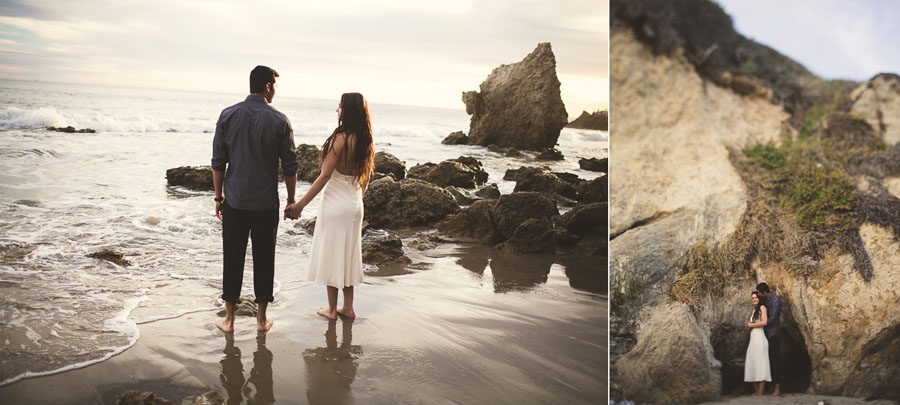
446 333
791 399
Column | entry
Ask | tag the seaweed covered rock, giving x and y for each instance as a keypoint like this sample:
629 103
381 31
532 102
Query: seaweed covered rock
389 164
513 209
465 172
382 247
594 164
198 178
308 168
395 204
519 105
598 120
475 222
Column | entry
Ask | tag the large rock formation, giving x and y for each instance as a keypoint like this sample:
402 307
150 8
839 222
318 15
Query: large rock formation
519 105
399 204
598 120
878 102
684 203
464 171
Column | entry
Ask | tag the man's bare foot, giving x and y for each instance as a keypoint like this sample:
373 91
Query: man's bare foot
266 327
225 326
347 313
328 313
776 393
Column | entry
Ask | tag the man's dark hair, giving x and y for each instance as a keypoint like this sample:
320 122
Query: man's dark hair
763 287
259 76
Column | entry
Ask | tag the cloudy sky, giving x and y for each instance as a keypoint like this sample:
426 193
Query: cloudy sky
399 51
835 39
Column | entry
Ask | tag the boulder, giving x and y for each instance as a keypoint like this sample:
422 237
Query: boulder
586 218
461 195
308 225
594 164
878 102
392 204
209 398
245 307
389 164
198 178
521 173
382 247
472 222
308 166
596 190
111 256
550 154
570 178
456 138
598 120
532 236
519 105
488 192
513 209
673 361
464 172
141 398
547 184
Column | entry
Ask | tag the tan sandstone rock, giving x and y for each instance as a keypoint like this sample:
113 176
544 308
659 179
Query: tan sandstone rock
878 102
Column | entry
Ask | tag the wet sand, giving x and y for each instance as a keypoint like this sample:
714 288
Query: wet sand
466 325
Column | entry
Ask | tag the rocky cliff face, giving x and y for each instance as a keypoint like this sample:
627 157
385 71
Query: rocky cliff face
683 202
519 104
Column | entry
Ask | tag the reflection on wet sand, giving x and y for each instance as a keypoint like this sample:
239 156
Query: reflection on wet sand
587 273
519 272
256 389
331 369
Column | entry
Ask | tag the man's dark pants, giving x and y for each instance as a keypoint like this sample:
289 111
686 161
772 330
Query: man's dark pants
775 358
261 227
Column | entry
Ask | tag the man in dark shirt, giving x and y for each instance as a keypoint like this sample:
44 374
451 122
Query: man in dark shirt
250 138
773 333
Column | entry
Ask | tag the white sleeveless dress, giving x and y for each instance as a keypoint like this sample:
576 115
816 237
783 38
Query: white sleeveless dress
336 257
756 364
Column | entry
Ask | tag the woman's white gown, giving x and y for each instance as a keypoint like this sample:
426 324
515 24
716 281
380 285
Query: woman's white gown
336 256
756 365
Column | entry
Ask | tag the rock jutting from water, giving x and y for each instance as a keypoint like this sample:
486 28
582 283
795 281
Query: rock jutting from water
550 154
389 164
382 248
198 178
594 164
393 204
71 130
518 105
464 172
456 138
111 256
598 120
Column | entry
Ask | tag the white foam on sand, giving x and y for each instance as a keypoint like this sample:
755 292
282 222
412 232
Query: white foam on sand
119 323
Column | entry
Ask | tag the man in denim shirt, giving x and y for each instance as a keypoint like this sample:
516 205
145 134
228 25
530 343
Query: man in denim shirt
773 334
250 138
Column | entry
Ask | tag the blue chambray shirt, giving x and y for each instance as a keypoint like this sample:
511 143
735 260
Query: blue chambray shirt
251 136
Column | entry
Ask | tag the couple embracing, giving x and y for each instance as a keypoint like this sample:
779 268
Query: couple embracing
763 361
250 138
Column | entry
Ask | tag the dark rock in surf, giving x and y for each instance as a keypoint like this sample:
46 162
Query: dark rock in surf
392 204
456 138
594 164
382 248
199 178
389 164
111 256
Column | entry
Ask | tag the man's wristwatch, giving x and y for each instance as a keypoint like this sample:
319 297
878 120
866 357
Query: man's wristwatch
219 199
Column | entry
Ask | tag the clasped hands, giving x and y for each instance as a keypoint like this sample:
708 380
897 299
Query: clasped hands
293 210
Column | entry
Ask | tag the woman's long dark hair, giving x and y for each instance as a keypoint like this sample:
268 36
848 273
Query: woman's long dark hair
757 311
354 120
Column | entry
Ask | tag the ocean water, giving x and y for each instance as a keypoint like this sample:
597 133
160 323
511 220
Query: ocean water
64 196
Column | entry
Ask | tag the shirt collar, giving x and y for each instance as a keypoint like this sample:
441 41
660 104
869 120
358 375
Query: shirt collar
254 97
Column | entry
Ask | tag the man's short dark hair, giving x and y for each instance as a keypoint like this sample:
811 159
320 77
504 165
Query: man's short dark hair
259 76
763 287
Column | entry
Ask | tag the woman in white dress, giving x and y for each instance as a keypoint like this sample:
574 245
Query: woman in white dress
756 365
347 162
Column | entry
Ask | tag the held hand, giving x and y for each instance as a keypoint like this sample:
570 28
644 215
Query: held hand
293 211
219 210
747 325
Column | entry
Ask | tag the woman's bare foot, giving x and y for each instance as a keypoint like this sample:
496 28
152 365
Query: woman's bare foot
225 326
327 312
347 313
263 328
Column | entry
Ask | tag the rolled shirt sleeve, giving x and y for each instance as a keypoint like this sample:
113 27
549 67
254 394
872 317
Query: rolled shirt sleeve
287 150
220 148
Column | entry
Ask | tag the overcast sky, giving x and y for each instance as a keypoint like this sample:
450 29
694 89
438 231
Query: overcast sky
399 51
835 39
